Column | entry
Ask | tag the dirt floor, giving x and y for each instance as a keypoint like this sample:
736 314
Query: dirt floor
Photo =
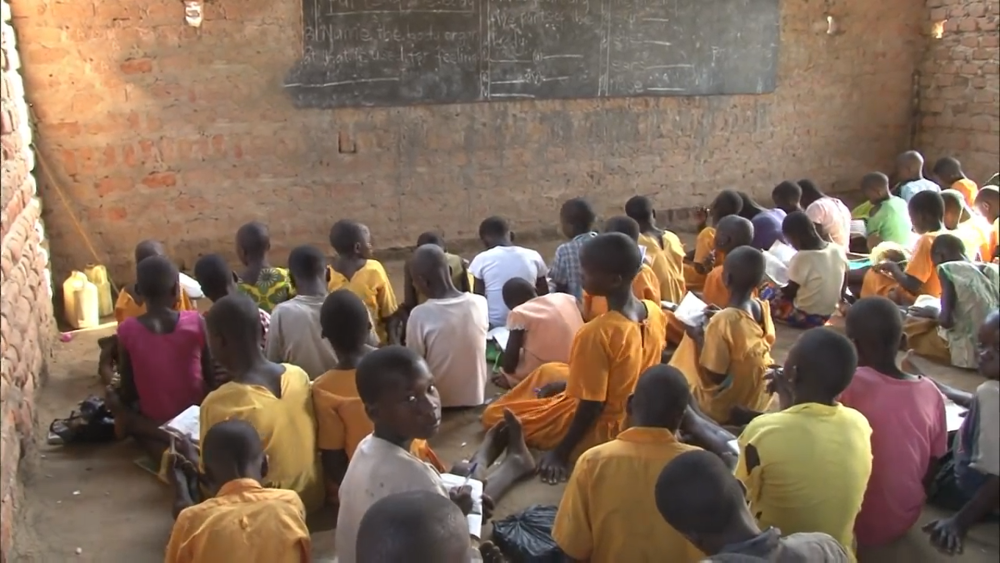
95 504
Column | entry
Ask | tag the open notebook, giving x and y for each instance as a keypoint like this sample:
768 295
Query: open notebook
474 518
187 424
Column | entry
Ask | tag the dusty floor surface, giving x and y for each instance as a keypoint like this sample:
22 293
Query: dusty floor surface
95 504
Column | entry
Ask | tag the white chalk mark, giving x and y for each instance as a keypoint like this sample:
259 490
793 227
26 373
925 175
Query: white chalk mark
400 11
556 78
509 82
546 57
655 19
664 43
511 96
512 61
359 81
668 66
665 89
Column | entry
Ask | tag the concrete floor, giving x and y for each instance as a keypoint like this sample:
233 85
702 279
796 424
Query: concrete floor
94 504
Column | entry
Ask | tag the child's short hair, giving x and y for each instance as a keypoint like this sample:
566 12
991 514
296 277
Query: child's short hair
874 180
236 317
787 191
412 526
232 444
156 277
147 248
745 266
947 168
254 239
377 370
430 237
578 213
344 320
494 227
947 244
697 494
639 208
345 235
728 202
612 253
927 204
825 361
874 321
213 274
306 262
798 224
624 225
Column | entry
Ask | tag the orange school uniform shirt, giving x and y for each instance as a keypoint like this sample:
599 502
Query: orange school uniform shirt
644 286
667 263
607 357
243 522
126 306
968 189
736 346
920 266
975 234
371 284
703 246
607 513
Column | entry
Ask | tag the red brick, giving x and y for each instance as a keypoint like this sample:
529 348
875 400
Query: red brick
160 180
137 66
113 184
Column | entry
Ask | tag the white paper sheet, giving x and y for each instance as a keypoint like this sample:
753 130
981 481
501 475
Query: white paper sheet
734 445
774 269
954 415
474 518
923 301
858 227
782 252
188 423
500 335
691 310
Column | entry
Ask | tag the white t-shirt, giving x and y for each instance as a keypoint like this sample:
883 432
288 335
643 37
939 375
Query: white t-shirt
834 217
377 469
820 276
295 336
451 335
499 264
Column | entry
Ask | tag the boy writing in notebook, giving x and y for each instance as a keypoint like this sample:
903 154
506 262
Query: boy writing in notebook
354 268
501 261
665 249
576 220
265 284
340 414
644 286
584 404
726 361
243 521
705 256
604 516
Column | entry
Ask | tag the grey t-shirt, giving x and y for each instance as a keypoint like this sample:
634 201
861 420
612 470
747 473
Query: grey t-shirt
796 548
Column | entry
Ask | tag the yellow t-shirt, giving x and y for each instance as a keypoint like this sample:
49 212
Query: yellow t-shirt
644 286
703 245
287 428
608 511
815 461
244 522
667 264
372 285
975 234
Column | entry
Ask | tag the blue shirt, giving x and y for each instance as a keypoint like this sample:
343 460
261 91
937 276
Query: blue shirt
565 270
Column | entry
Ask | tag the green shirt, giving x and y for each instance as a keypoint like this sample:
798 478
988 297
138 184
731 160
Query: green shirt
891 222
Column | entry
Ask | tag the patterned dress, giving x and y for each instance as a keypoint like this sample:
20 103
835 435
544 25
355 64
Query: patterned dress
273 286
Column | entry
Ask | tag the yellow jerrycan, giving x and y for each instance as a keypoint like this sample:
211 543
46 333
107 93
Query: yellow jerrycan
98 275
80 301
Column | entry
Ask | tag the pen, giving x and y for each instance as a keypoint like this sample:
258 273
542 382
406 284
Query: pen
472 471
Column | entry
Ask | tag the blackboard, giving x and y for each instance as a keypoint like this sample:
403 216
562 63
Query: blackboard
405 52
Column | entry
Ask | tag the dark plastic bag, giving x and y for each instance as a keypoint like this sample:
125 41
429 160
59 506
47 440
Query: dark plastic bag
526 537
92 423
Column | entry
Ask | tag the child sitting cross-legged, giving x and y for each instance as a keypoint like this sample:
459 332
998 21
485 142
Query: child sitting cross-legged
354 268
244 521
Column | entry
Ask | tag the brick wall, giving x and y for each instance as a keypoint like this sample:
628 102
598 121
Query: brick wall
155 129
960 86
26 312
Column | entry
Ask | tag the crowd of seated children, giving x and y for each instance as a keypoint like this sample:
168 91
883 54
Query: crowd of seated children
817 277
342 422
704 257
988 205
576 221
218 280
354 268
542 328
458 267
725 362
294 335
448 330
401 400
163 360
766 222
965 223
130 302
664 249
501 261
910 179
886 218
948 173
970 482
604 513
919 277
567 409
275 399
697 495
969 292
907 416
243 520
833 217
806 468
645 286
265 284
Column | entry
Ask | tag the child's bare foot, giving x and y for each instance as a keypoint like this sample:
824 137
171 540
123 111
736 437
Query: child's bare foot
494 443
490 553
517 449
500 380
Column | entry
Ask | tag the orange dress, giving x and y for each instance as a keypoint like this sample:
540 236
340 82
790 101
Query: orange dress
608 355
703 245
667 256
644 286
126 306
968 189
736 346
921 266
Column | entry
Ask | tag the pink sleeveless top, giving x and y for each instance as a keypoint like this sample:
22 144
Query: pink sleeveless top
166 367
